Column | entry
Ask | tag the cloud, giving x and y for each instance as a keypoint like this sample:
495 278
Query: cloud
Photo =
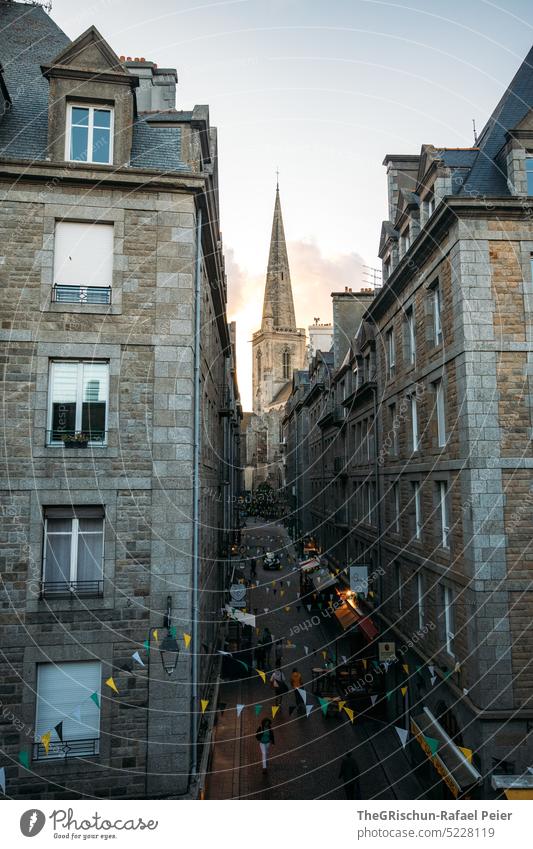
314 277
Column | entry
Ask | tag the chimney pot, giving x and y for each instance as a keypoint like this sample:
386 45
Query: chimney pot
128 58
122 58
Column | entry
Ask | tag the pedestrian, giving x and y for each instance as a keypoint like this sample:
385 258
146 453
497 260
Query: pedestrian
260 655
349 775
253 568
266 639
297 682
265 736
278 683
278 652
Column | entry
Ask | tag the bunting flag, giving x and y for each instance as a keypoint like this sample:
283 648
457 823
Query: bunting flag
303 695
24 759
240 709
432 743
187 640
403 691
110 683
266 609
273 583
365 663
59 727
96 700
137 658
267 589
433 679
350 713
204 703
324 654
405 668
466 752
228 653
45 740
375 664
156 635
373 699
262 675
258 709
275 709
457 667
288 583
172 632
344 659
431 670
3 779
282 592
389 695
308 607
287 609
324 704
146 645
308 709
292 708
242 663
402 734
306 649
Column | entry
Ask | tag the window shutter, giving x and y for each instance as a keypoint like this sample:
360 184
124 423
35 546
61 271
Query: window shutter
83 254
61 688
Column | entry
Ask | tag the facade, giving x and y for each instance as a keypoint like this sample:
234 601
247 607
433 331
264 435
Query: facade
119 369
278 349
320 337
426 448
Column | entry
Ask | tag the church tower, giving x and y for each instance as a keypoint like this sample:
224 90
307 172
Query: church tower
279 346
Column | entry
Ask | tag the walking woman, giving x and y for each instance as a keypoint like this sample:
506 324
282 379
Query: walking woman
265 736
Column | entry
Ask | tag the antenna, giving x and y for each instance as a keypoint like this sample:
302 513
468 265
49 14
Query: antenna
474 127
372 276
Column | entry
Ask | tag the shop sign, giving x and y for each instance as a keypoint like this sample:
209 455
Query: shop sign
238 595
359 579
387 651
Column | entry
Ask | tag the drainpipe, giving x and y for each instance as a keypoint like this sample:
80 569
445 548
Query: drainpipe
196 497
378 494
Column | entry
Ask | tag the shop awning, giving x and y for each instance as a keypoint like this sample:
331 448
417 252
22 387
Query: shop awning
309 565
451 764
323 579
369 629
346 616
514 786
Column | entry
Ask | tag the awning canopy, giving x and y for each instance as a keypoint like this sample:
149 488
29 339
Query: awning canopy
323 579
514 786
309 565
447 758
346 616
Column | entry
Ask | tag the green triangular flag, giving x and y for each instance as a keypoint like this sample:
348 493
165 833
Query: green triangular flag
324 703
172 632
432 743
389 695
147 645
258 709
96 700
375 664
242 663
24 759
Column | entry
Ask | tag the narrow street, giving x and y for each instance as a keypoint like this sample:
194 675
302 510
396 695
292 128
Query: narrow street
305 760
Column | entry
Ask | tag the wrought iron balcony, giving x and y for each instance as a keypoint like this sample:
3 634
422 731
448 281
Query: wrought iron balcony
62 589
66 749
66 294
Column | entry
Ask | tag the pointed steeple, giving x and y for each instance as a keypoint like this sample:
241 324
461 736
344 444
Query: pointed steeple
278 306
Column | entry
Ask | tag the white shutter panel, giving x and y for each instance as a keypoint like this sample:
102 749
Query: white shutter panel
60 689
83 254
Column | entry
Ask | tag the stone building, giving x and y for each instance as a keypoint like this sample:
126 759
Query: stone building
278 349
430 462
118 366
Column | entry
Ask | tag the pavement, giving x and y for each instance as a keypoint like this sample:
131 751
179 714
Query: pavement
304 763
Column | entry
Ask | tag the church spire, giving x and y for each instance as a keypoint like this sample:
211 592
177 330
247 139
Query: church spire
278 306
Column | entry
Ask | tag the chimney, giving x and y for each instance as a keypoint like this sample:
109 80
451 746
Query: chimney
348 310
402 172
157 86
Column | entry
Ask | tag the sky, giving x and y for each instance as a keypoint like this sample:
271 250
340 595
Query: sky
321 90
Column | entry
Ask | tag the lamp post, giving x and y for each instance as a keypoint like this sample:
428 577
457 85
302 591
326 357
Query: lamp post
169 648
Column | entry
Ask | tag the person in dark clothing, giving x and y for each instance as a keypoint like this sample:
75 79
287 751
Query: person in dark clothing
265 736
349 775
253 569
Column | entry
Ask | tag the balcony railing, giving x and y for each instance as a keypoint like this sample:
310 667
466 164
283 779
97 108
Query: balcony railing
62 589
63 294
68 440
66 749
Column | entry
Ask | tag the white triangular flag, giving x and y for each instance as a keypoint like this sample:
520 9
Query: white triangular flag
433 679
267 589
344 658
373 699
431 670
303 694
137 658
308 709
3 780
228 653
402 734
288 583
266 609
309 608
240 709
306 649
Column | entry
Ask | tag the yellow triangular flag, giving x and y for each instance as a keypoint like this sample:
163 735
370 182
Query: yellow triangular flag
341 705
287 608
45 740
155 633
275 709
187 640
273 583
282 592
405 668
350 713
466 752
204 703
365 663
403 691
324 654
262 675
111 683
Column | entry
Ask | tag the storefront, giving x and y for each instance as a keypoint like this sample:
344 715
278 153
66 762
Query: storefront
458 777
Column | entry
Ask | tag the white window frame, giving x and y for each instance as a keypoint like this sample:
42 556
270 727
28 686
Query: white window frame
56 750
440 412
415 435
449 627
420 598
411 334
391 353
443 513
418 509
79 401
436 306
399 586
529 158
90 134
74 540
396 506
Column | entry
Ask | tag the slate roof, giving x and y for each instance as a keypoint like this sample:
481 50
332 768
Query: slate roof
486 178
29 38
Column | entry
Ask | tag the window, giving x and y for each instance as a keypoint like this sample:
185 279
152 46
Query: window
442 500
78 400
436 308
405 241
417 499
73 551
429 205
286 364
368 503
415 439
64 693
393 435
439 413
391 353
399 586
420 598
386 268
89 134
83 262
410 333
396 507
529 173
449 619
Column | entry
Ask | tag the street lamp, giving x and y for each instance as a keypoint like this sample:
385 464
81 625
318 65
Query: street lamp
169 648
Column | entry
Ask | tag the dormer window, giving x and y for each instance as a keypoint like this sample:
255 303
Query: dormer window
429 205
529 172
89 134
